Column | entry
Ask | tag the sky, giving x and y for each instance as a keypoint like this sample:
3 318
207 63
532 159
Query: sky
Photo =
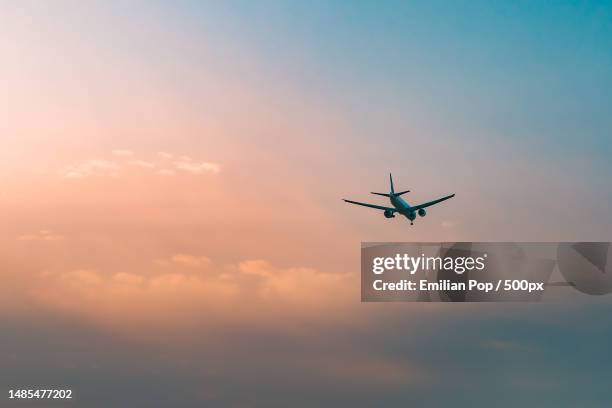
172 174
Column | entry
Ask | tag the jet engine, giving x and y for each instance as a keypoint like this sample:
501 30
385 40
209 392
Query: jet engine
389 214
422 212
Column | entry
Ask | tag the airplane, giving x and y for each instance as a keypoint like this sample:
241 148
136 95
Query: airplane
400 205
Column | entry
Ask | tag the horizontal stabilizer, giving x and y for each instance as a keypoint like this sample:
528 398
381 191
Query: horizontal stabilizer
391 194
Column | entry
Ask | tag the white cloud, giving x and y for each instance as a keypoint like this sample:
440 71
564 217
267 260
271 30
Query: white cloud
42 235
197 167
90 168
102 167
254 290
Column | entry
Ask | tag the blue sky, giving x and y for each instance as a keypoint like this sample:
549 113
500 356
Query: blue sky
537 71
512 96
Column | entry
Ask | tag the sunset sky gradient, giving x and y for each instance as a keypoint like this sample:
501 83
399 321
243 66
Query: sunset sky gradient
172 172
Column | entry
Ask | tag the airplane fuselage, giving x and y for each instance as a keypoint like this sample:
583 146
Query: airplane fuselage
403 207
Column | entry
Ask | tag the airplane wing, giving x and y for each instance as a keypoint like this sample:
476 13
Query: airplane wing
378 207
418 207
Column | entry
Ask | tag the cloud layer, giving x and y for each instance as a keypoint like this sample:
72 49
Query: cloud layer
165 164
188 290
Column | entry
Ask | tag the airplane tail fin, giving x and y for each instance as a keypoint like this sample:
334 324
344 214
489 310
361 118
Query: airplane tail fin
392 193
